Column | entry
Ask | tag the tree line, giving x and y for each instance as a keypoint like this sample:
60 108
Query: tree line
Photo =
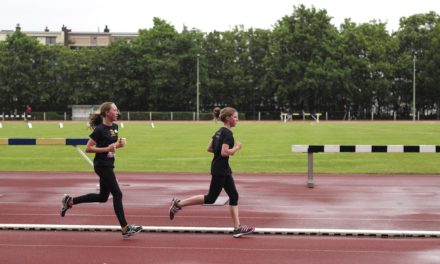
303 63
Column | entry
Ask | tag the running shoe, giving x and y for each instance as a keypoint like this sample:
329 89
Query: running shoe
65 204
131 231
174 208
243 230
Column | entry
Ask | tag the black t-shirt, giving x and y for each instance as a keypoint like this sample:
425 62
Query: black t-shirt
219 164
104 136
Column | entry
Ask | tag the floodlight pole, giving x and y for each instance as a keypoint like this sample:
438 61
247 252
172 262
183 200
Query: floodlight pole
414 87
198 87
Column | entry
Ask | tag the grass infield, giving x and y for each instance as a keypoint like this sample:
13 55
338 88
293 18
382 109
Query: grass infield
181 147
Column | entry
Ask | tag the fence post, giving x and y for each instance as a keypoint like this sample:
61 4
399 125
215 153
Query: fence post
150 116
394 115
259 116
326 115
128 115
44 116
194 116
171 116
65 116
372 115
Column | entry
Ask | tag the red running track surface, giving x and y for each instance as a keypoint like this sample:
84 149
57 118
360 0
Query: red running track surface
392 202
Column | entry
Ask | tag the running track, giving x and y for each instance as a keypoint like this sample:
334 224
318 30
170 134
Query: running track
373 202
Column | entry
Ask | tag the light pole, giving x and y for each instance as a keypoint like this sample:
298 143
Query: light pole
414 86
198 86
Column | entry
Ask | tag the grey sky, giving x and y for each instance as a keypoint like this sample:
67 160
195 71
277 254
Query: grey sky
206 15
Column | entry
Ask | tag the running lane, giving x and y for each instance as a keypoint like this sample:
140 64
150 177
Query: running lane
83 247
391 202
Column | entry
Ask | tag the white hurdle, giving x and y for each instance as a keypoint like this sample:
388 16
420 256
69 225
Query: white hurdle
310 149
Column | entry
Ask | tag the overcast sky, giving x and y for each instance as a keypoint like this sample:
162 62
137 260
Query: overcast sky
206 15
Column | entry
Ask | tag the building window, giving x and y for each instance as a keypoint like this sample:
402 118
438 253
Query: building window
51 40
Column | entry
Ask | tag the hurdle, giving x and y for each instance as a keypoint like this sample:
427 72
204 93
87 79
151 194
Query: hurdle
310 149
74 142
286 117
315 116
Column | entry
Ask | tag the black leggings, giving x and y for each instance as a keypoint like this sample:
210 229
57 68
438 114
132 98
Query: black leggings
107 184
216 186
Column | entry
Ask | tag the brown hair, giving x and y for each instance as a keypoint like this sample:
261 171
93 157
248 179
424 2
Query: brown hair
226 112
97 117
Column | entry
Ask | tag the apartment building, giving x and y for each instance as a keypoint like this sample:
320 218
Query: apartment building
67 37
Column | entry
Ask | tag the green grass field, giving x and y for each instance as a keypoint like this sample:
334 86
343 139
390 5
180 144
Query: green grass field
181 147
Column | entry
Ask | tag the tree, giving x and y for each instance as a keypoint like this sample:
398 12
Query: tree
158 64
417 38
303 53
367 56
19 59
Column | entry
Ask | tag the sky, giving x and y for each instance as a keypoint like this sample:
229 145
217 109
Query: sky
205 15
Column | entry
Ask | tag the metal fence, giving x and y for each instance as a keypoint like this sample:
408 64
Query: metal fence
257 115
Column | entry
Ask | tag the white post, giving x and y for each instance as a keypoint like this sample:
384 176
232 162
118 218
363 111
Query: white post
414 86
128 115
194 115
259 116
198 86
150 116
171 116
372 115
44 116
65 116
394 113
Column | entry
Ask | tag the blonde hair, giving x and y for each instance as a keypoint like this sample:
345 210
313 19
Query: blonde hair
225 113
97 117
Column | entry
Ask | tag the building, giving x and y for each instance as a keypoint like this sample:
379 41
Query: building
44 37
73 39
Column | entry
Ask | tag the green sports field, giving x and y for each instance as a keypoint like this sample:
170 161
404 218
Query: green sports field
181 147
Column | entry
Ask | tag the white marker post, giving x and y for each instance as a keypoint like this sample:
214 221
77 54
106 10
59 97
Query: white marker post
29 125
61 125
